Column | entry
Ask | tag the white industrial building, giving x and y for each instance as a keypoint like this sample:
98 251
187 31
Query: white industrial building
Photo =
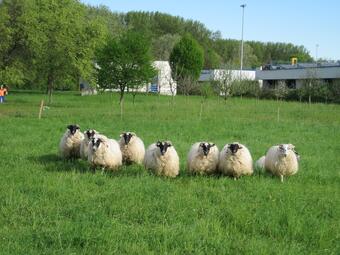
163 82
295 75
218 74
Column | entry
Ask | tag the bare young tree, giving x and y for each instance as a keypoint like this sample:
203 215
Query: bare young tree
223 81
310 83
281 90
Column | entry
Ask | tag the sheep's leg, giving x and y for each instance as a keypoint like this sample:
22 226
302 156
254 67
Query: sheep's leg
281 177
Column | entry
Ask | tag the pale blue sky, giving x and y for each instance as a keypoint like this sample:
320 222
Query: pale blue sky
301 22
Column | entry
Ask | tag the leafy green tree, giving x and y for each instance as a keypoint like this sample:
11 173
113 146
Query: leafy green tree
48 42
186 60
67 42
125 63
163 45
16 27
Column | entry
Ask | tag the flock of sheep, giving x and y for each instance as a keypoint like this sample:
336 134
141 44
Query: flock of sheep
162 159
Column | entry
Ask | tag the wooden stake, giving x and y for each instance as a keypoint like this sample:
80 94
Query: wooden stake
41 108
278 114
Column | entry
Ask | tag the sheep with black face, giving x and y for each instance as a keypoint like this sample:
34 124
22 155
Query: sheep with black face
104 153
235 160
282 160
203 158
132 148
69 146
84 146
162 159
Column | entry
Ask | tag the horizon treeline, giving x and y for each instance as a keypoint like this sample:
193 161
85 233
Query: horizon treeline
51 43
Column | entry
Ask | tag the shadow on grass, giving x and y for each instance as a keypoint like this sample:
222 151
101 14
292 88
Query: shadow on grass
53 163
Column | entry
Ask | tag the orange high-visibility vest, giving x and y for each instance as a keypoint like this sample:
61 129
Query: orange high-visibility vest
2 92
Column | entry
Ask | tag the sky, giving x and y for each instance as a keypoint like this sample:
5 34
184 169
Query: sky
314 24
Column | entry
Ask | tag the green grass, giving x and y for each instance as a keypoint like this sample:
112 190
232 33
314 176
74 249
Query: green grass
52 206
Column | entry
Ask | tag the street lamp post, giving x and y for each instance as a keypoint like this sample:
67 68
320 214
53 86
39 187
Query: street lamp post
316 54
241 67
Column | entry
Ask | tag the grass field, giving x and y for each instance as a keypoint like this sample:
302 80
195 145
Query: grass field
50 206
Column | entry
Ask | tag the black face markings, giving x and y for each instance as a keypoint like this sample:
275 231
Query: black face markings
163 146
234 147
73 128
206 147
90 134
96 142
127 137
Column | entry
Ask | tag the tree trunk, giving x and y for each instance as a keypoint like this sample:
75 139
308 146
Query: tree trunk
121 102
201 109
309 98
50 82
133 98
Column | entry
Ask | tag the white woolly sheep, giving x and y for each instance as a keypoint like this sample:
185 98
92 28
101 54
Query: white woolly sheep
235 160
203 158
104 153
84 146
282 160
69 146
132 148
259 164
162 159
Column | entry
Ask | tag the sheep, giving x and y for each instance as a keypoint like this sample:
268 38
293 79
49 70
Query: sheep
259 164
84 146
132 148
104 153
282 160
162 159
235 160
69 146
203 158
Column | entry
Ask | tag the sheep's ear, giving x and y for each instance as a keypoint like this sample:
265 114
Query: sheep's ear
240 147
158 144
169 143
291 146
121 135
281 146
69 126
201 144
212 145
133 133
77 126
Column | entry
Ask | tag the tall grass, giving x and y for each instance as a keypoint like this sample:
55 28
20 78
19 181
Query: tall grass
52 206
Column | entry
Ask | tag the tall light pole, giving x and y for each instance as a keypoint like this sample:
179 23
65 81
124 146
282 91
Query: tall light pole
316 54
241 67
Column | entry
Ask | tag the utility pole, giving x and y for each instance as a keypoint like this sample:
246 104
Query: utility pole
316 54
241 68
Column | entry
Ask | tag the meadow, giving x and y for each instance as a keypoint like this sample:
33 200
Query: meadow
51 206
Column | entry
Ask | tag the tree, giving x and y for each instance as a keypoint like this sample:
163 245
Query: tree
310 84
49 42
223 82
162 46
125 63
281 90
186 61
67 41
16 27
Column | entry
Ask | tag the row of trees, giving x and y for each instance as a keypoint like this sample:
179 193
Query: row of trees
49 44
